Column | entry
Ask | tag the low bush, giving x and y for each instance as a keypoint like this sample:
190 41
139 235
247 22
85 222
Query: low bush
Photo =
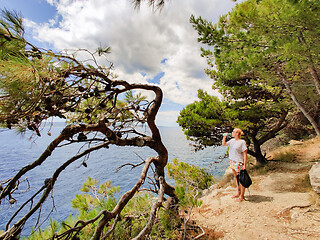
284 155
189 181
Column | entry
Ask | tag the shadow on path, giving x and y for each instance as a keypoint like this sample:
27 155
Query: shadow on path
258 198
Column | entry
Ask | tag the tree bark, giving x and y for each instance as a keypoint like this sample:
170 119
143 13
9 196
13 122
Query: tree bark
282 123
315 76
313 71
147 229
257 143
300 107
257 153
79 74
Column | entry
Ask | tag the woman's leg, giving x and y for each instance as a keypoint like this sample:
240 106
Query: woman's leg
242 190
238 187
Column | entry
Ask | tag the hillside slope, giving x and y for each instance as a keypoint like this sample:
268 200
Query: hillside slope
280 204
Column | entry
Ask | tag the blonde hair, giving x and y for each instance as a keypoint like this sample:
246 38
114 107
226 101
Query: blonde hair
239 131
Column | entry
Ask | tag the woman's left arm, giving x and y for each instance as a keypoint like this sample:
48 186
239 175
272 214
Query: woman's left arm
245 159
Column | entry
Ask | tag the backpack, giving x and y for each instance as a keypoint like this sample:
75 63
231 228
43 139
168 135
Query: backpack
244 178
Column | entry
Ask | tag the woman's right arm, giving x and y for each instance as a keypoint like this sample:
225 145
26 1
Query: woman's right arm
224 143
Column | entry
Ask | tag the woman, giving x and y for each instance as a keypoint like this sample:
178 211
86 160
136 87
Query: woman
238 158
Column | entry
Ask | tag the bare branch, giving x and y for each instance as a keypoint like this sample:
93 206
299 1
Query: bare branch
111 230
123 200
23 205
146 230
85 93
48 188
129 164
201 234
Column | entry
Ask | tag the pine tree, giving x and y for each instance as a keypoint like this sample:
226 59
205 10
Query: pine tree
257 55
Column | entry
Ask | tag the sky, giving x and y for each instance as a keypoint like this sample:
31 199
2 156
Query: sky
147 46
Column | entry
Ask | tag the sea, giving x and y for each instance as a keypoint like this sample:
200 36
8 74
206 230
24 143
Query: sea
19 150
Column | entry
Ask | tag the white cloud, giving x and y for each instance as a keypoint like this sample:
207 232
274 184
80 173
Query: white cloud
139 40
167 118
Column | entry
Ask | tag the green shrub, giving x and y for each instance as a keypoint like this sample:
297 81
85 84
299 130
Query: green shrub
133 217
189 180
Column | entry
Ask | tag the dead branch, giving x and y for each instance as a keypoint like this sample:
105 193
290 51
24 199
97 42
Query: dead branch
37 225
311 211
23 205
154 184
81 81
200 235
129 164
146 230
16 228
123 200
68 234
148 190
111 230
185 222
292 207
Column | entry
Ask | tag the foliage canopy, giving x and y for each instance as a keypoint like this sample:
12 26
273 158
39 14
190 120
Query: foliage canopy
101 110
254 54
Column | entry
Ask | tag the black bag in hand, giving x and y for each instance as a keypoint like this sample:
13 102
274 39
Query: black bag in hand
244 178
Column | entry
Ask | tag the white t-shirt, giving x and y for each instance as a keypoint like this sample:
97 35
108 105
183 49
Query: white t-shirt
236 149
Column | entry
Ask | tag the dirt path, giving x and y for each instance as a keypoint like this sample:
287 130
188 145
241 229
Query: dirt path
272 210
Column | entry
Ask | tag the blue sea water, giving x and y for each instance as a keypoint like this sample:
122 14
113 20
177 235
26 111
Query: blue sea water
17 151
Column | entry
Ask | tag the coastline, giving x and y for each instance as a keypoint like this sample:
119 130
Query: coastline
101 165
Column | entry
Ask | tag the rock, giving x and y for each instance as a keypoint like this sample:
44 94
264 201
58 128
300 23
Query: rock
294 142
314 175
228 171
214 193
205 192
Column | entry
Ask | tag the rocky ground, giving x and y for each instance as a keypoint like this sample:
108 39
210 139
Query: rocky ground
280 204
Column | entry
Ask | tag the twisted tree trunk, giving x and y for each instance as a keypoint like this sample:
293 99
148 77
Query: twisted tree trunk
297 103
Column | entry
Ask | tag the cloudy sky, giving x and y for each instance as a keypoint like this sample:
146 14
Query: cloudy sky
146 46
